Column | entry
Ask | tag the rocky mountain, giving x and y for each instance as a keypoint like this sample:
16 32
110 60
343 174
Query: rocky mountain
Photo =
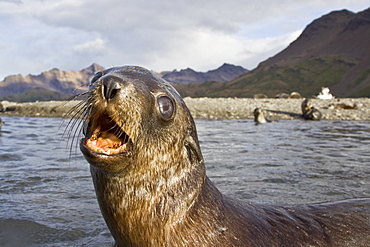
58 84
225 73
62 82
333 51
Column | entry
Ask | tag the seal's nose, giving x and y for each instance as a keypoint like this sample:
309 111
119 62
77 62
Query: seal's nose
111 87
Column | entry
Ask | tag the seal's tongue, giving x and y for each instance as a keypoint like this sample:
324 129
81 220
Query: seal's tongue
107 138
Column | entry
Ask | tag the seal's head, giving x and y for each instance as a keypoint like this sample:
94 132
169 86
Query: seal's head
130 112
259 117
309 112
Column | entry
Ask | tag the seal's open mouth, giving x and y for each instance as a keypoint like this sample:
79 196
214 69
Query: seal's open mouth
104 136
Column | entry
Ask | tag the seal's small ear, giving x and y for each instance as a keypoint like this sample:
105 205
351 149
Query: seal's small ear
193 150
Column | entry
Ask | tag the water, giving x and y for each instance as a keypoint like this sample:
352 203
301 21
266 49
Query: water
47 197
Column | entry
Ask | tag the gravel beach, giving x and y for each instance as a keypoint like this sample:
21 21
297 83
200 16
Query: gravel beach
357 109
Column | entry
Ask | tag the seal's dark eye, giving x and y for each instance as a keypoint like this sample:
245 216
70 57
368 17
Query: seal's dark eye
166 107
95 78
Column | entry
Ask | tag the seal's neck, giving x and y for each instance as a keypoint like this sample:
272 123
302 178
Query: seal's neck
137 207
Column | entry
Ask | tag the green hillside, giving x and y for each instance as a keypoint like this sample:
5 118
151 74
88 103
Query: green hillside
37 94
306 77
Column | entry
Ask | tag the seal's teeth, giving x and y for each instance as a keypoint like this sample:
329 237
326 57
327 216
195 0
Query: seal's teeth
109 144
95 136
108 150
123 147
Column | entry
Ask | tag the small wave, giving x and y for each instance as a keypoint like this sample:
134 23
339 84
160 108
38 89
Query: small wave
16 232
10 157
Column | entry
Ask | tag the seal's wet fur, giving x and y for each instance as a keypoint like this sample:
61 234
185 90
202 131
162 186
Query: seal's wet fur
151 185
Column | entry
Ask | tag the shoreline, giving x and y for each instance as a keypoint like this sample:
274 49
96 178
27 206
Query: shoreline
220 108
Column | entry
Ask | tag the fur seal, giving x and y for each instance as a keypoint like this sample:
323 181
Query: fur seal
309 112
343 106
151 184
259 116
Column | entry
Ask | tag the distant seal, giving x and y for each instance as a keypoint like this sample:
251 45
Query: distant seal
259 116
1 123
309 112
151 184
343 106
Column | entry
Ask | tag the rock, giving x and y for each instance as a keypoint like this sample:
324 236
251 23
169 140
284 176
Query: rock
282 96
295 95
260 96
217 108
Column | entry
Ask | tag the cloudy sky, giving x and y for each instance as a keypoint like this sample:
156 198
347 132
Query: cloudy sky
38 35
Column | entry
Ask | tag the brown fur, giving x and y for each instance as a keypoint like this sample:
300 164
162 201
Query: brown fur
156 193
309 112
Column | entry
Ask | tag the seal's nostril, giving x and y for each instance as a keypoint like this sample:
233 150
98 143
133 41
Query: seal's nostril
111 88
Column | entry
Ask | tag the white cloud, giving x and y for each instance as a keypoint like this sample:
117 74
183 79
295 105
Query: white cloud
95 45
261 49
159 35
